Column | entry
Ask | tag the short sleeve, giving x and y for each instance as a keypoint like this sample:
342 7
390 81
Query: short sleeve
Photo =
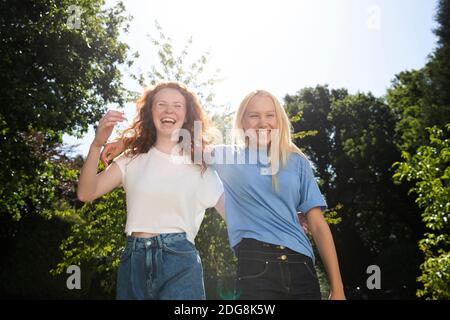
310 195
121 162
210 189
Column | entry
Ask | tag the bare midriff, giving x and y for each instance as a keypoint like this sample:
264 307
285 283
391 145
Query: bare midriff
144 234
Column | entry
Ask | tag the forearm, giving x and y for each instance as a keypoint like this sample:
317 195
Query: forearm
325 244
87 182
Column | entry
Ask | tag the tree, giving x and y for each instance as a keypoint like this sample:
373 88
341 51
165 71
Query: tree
439 64
429 169
411 100
96 237
353 152
420 98
57 76
309 110
54 79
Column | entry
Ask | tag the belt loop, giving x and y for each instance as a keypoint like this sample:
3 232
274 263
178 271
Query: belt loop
159 241
134 243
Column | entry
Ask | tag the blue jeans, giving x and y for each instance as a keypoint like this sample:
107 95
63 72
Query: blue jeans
164 267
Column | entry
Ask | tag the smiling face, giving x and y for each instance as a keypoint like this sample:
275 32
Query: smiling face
260 115
168 111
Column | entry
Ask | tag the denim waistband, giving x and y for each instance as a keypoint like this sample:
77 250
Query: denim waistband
250 244
155 241
258 250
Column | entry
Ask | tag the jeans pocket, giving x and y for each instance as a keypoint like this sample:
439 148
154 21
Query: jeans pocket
251 269
180 247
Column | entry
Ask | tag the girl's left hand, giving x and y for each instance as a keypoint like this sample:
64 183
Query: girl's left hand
303 223
337 295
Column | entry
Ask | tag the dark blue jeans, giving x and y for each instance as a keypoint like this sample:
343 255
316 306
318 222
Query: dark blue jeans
164 267
270 272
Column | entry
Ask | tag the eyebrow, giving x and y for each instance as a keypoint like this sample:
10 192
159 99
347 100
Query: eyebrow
256 112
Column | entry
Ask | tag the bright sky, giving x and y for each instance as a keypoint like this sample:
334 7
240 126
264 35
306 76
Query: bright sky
283 46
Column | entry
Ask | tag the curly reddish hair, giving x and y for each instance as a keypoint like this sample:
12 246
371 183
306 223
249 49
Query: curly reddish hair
141 135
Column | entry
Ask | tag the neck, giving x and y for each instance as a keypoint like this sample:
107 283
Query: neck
165 144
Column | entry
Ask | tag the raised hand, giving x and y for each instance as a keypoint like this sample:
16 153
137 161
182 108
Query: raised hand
106 126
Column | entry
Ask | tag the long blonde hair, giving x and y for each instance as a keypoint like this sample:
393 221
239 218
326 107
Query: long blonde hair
284 143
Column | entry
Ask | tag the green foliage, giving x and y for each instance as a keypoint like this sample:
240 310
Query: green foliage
96 237
332 214
219 263
34 176
429 169
54 79
439 64
421 98
352 151
29 251
301 134
352 146
309 111
412 99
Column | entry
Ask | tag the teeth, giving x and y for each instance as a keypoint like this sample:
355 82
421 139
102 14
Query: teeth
165 120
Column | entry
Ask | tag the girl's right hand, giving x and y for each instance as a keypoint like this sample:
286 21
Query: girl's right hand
111 150
106 126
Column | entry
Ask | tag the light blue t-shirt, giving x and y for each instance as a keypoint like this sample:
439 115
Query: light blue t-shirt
255 210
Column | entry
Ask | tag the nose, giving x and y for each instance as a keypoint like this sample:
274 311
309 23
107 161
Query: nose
263 124
170 109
